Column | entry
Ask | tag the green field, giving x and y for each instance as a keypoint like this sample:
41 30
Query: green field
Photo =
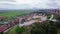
10 15
14 13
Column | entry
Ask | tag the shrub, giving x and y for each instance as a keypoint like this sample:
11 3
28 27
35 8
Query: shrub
20 30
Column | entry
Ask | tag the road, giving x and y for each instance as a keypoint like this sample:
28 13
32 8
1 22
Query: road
33 21
42 19
28 23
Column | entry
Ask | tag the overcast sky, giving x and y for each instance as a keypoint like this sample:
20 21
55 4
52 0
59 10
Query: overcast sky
29 4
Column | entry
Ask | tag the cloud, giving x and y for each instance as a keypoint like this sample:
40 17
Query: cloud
54 3
8 0
30 4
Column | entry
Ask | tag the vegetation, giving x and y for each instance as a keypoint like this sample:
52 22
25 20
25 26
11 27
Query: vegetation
13 14
17 30
12 31
36 28
48 27
58 18
48 16
44 29
20 30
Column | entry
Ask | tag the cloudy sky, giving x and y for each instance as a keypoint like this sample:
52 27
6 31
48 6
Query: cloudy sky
29 4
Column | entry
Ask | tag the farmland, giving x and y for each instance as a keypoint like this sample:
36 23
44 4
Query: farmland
14 13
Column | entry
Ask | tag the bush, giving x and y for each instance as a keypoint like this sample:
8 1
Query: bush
20 30
48 28
37 29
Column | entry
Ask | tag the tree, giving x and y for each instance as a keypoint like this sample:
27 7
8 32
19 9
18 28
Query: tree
37 29
20 30
41 28
50 28
1 33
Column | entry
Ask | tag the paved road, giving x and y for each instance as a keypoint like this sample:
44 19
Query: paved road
33 21
28 23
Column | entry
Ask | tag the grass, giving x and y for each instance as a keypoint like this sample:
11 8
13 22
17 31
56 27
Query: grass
58 31
12 31
16 29
8 14
13 14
